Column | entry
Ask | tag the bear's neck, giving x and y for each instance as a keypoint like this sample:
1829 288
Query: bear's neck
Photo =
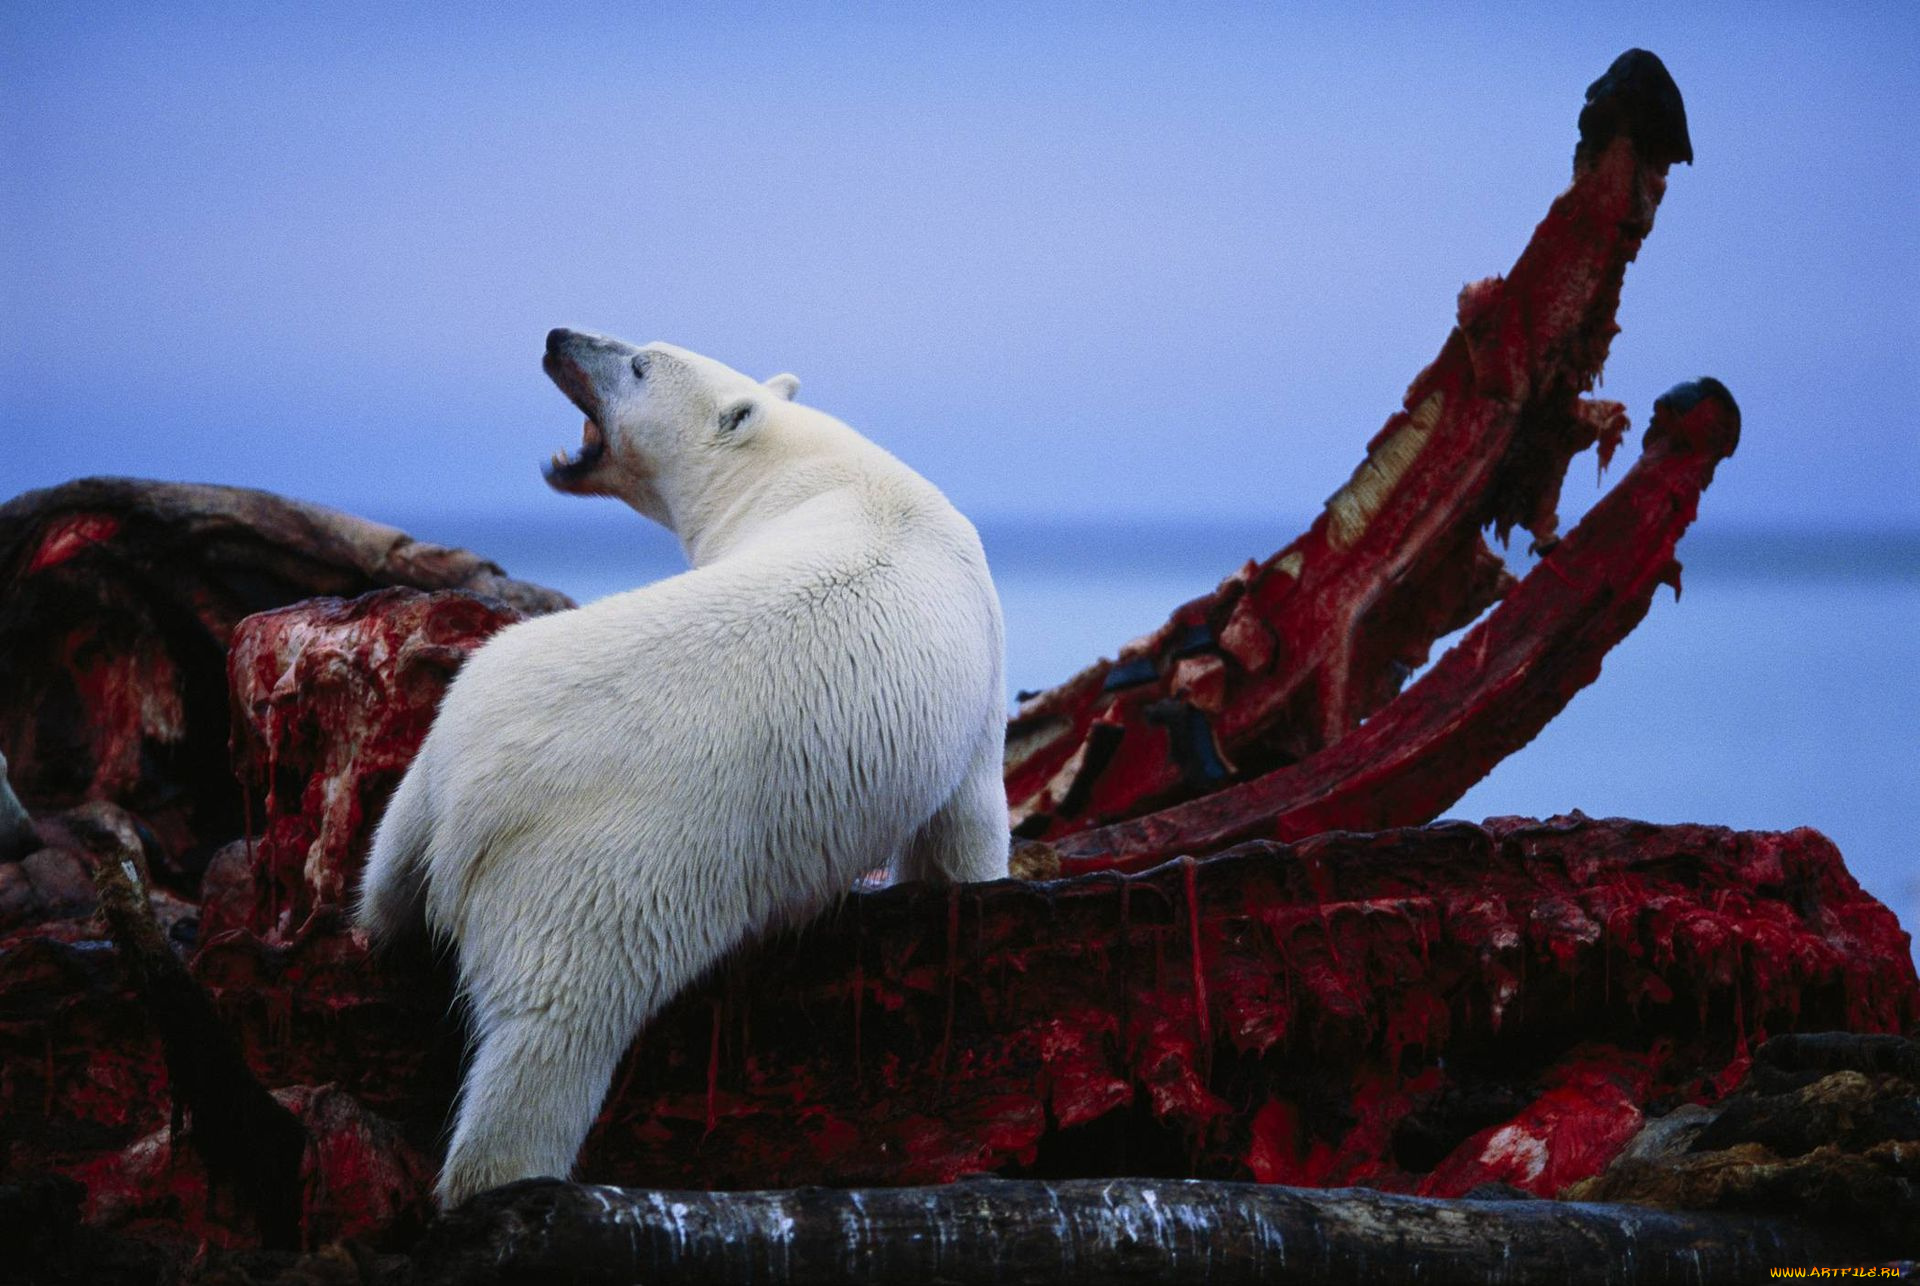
727 514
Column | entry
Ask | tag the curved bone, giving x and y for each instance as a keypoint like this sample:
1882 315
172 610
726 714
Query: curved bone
1494 690
1287 657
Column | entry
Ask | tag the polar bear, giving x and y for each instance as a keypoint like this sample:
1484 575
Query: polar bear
612 798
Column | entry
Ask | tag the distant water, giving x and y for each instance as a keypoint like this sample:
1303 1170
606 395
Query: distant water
1778 692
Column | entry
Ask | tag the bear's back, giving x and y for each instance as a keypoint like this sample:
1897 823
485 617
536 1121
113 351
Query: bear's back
802 704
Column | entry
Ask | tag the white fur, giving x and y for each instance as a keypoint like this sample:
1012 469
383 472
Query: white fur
611 798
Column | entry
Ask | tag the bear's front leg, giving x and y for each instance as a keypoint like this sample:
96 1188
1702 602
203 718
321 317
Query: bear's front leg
966 840
531 1095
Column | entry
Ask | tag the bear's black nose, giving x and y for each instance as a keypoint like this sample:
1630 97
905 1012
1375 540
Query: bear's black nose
557 339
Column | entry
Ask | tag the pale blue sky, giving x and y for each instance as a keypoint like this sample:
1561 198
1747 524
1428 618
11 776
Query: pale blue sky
1159 260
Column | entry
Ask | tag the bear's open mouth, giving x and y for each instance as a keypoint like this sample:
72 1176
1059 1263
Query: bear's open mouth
564 468
593 445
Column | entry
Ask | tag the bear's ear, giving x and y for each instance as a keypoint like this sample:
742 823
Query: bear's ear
784 386
738 420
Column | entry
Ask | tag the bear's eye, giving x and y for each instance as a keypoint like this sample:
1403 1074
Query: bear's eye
640 366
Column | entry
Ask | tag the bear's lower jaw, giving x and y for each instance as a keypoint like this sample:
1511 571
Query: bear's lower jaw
564 472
